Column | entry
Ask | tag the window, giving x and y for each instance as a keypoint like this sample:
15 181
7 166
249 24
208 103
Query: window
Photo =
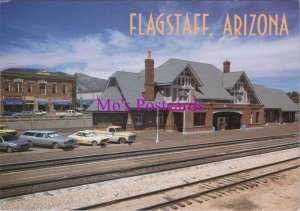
43 88
39 135
257 116
138 119
29 134
30 84
18 86
161 118
199 119
119 120
64 88
54 88
105 119
7 85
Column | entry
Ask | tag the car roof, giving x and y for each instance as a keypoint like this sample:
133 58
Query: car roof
40 131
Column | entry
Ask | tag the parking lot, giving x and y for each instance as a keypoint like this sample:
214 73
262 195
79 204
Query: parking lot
147 139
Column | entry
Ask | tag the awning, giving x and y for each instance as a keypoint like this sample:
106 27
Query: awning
62 102
13 102
42 102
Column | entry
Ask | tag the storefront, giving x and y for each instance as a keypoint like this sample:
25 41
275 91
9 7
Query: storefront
13 105
61 105
42 105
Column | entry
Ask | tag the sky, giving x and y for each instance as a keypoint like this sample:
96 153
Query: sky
93 37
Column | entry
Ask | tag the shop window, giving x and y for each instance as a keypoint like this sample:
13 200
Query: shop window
138 119
199 119
119 119
105 119
43 88
54 88
29 88
18 86
7 85
64 88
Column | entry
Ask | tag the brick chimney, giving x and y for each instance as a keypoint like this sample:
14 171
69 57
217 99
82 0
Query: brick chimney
226 67
148 93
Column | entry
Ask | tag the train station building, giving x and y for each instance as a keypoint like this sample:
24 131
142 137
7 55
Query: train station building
229 100
24 89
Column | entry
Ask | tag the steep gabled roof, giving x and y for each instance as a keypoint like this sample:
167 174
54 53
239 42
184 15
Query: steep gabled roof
230 79
111 93
274 99
210 76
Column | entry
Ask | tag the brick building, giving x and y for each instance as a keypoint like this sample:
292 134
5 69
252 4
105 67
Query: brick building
34 89
228 99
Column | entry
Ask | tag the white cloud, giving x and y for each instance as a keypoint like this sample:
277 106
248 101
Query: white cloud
100 57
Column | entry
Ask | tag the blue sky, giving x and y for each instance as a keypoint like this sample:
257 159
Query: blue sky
93 37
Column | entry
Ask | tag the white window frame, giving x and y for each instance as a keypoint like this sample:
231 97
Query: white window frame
66 91
45 90
7 81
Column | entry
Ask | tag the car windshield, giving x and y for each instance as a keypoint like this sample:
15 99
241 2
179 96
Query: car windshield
10 138
119 129
91 134
53 135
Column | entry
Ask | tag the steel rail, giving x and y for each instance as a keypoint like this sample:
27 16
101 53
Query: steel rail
125 154
55 183
160 205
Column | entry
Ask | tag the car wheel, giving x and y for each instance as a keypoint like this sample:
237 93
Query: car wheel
55 146
94 143
9 149
122 141
30 143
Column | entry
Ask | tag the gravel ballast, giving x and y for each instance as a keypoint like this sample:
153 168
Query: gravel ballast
72 198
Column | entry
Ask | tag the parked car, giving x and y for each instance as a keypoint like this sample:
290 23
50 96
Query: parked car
25 114
12 143
89 137
40 113
48 138
69 113
117 134
8 113
6 130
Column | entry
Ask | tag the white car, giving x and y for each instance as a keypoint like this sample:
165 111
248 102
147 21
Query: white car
90 138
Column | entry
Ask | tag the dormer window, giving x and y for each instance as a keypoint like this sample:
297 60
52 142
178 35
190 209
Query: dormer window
183 96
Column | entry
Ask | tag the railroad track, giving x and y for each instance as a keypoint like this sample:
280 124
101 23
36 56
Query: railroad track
108 156
138 165
200 191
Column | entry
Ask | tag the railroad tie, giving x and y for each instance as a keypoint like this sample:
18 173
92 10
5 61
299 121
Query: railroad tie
188 202
197 200
180 204
211 196
173 207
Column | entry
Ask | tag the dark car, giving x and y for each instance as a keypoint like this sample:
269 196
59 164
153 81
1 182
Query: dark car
13 143
48 138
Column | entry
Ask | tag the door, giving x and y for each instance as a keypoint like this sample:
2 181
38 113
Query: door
178 121
221 123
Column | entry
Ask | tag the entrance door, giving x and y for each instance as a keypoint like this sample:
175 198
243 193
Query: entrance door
178 121
221 124
227 120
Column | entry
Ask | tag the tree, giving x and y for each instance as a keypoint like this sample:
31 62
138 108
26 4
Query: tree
294 96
